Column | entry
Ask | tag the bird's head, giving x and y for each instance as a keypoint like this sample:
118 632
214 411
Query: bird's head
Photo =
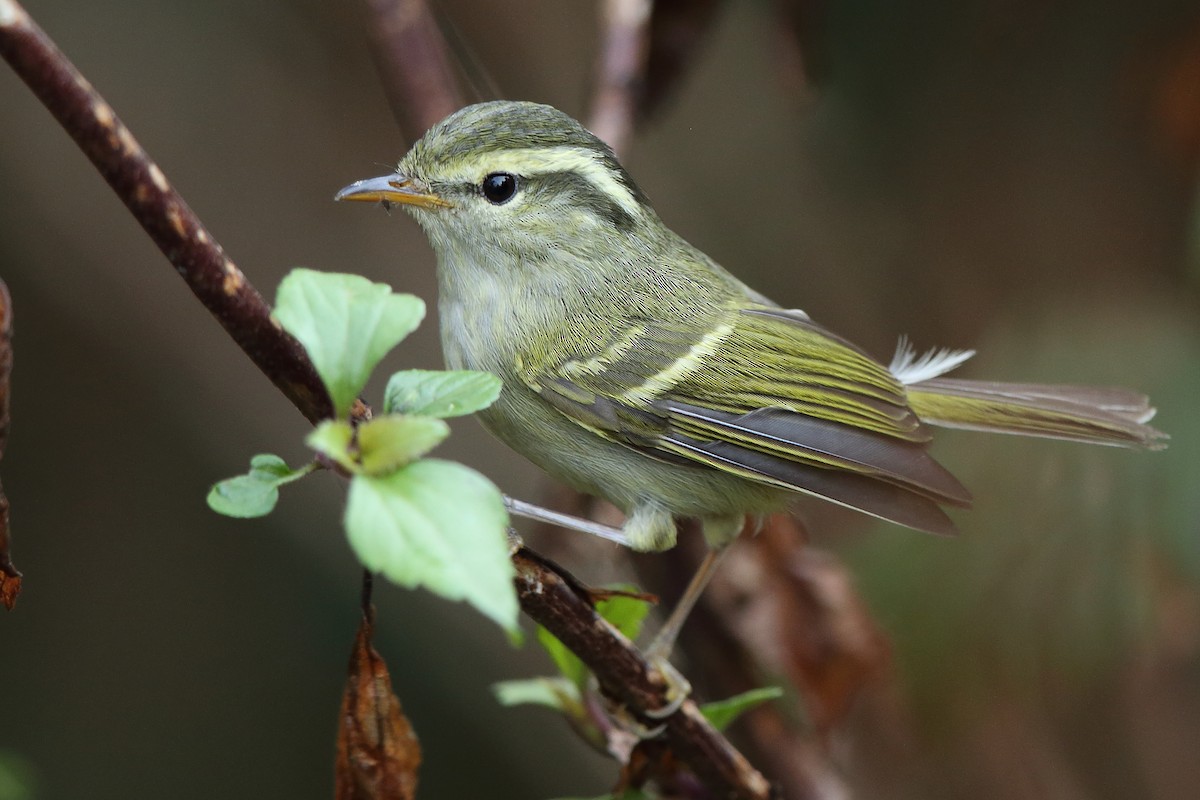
514 179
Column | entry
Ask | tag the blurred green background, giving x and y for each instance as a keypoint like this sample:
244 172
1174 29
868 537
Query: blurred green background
1014 176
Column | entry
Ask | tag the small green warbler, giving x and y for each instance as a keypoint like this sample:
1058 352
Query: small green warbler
635 368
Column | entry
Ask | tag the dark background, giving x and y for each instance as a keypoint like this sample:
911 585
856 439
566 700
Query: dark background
1014 176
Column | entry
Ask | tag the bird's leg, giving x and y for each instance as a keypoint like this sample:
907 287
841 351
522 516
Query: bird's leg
520 508
659 651
664 641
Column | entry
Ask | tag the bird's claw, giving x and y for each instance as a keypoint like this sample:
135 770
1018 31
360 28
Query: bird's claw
678 688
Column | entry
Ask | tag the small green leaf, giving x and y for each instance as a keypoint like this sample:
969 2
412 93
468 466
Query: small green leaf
17 777
255 493
332 438
440 394
387 443
722 712
557 693
439 525
347 324
624 612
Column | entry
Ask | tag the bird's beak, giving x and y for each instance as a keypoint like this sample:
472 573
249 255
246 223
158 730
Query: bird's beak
394 188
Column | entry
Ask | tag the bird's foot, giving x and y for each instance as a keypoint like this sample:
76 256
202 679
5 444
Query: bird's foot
678 688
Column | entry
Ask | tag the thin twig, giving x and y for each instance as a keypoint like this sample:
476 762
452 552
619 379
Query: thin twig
646 50
412 59
10 576
620 70
161 211
366 594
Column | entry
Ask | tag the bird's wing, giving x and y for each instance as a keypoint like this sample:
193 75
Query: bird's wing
766 394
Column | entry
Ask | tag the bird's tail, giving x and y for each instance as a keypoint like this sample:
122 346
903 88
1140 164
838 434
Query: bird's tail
1079 413
1100 415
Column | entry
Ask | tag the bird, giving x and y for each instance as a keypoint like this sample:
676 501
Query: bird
637 369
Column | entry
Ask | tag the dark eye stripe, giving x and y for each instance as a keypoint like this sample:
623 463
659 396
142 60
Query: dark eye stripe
586 195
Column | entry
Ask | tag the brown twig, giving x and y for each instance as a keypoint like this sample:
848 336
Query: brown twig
678 29
365 600
10 576
620 70
805 21
241 310
646 48
160 210
412 60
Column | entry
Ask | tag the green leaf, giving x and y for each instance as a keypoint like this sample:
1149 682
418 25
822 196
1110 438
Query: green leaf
347 324
440 394
556 693
624 612
17 777
439 525
255 493
387 443
333 438
722 712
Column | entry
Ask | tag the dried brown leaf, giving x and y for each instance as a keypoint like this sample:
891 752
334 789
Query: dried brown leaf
832 647
377 751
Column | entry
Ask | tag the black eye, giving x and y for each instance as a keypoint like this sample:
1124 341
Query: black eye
499 187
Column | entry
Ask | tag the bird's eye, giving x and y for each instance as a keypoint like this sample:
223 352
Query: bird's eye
499 187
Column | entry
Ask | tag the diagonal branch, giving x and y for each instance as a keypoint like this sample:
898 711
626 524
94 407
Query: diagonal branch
646 49
620 70
411 57
140 183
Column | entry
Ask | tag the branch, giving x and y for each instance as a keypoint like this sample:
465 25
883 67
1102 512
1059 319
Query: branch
140 183
10 576
620 70
647 48
411 57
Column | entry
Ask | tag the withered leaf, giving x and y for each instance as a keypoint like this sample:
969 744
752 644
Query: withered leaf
377 750
831 645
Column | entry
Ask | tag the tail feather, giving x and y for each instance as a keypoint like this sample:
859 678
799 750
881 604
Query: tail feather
1098 415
